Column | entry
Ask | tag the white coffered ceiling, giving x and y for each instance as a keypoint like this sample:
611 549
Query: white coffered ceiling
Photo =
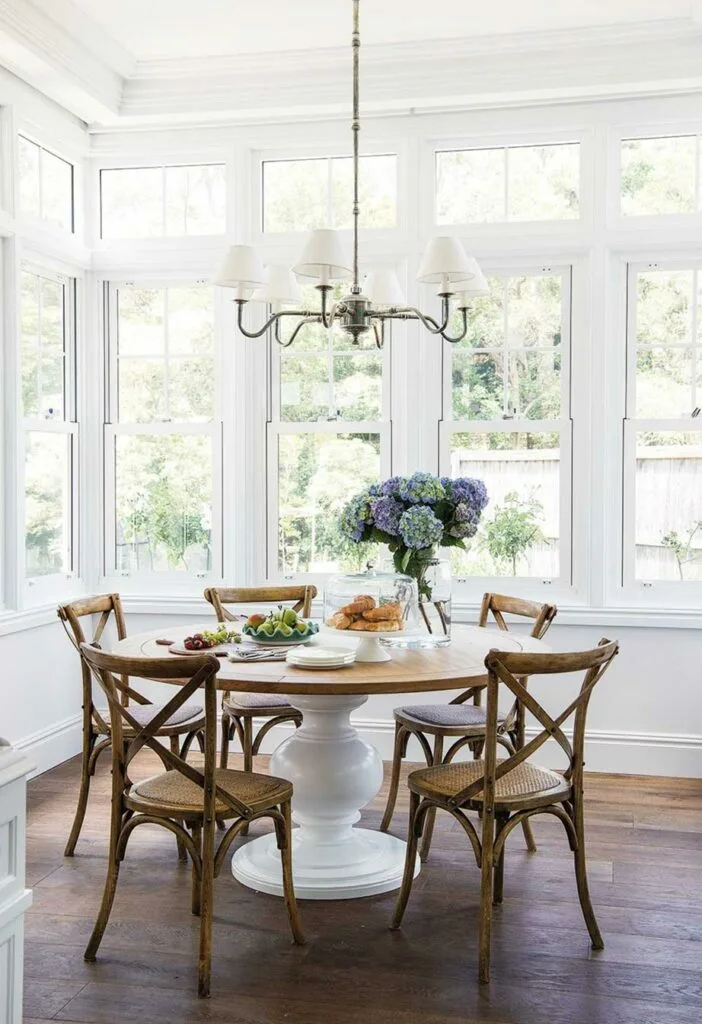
126 62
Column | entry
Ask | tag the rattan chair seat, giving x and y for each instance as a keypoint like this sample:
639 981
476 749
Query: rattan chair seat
188 716
522 784
255 701
171 792
452 716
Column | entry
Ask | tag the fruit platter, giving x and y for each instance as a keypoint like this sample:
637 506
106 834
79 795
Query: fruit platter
215 641
280 627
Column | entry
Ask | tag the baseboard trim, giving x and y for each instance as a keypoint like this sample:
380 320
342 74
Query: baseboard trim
49 747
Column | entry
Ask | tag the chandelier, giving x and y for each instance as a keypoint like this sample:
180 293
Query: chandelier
324 260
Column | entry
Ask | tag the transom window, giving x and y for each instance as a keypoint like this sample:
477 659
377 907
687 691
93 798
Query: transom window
660 175
300 195
45 184
158 202
510 183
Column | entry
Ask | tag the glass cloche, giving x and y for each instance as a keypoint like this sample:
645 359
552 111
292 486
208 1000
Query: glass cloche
371 603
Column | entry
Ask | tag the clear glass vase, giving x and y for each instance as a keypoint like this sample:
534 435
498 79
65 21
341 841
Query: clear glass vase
434 618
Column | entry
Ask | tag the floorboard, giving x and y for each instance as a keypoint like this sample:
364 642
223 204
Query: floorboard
645 866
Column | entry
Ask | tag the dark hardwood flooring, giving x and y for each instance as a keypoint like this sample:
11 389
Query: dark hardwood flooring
645 864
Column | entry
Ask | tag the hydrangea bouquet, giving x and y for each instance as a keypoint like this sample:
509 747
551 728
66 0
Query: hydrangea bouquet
415 515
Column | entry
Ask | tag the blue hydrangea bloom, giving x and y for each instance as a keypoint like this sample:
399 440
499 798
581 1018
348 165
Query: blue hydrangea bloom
467 490
356 516
422 488
420 528
390 488
386 515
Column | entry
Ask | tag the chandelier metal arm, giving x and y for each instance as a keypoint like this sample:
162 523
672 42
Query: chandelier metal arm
314 319
274 319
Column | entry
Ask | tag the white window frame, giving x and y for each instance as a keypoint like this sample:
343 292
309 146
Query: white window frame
567 585
40 589
172 581
39 220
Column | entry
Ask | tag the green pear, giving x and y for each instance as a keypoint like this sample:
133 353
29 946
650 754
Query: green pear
290 617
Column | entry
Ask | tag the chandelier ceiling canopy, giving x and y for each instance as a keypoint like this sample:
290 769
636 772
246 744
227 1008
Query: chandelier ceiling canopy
325 261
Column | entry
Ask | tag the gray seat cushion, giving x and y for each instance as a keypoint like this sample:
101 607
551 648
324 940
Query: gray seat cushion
257 700
446 714
143 713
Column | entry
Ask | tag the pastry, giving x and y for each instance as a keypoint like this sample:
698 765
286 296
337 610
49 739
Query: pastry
385 612
386 626
339 621
361 603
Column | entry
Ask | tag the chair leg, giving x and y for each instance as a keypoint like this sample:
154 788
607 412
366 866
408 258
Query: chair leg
486 888
581 876
204 965
247 744
108 895
431 813
175 749
528 836
224 741
88 744
399 746
499 875
197 880
410 862
288 888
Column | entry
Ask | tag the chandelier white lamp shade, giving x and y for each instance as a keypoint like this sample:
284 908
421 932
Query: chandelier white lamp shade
324 260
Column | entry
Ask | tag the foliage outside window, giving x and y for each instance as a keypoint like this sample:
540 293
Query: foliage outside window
162 449
509 406
300 195
45 184
159 202
660 175
512 183
47 341
666 353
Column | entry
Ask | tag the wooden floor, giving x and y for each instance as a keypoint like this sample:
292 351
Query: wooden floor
645 864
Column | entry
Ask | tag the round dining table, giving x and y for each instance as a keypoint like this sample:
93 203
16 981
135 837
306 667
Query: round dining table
334 772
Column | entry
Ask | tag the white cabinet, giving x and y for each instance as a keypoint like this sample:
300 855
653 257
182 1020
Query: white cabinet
14 897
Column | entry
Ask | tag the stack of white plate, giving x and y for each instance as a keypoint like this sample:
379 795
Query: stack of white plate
321 657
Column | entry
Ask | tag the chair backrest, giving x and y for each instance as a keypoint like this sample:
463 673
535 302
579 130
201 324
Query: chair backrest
499 605
71 614
301 597
200 672
508 669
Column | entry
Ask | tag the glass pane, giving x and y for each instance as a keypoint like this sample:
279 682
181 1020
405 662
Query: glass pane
190 321
30 345
664 307
191 389
486 320
664 382
358 386
141 330
668 506
519 531
478 385
295 195
534 390
141 390
196 200
304 388
377 189
470 186
318 474
131 201
56 190
163 493
544 182
28 170
42 347
658 175
534 311
46 503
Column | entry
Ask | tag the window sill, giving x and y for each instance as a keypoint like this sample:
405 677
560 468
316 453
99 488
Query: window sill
28 618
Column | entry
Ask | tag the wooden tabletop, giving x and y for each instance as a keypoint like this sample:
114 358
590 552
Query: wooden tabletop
459 665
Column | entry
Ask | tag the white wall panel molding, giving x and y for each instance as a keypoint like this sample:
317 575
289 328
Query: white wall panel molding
14 897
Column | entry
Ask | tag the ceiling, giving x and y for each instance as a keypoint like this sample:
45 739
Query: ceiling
157 29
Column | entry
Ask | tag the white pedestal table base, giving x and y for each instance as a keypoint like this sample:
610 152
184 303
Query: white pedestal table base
334 773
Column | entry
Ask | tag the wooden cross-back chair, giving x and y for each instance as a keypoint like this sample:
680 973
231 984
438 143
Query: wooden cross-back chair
506 793
464 720
240 709
97 734
183 799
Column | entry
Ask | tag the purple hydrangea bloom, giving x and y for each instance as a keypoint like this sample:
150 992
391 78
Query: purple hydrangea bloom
467 490
356 516
386 514
420 528
390 488
422 489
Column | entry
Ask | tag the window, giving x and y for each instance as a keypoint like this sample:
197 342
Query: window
515 183
300 195
663 469
45 185
163 459
329 438
47 362
660 176
158 202
507 399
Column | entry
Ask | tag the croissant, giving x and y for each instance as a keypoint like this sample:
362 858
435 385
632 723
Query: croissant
339 621
386 626
362 603
391 610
